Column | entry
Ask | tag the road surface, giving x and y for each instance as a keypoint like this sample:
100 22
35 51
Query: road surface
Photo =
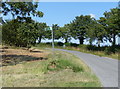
106 69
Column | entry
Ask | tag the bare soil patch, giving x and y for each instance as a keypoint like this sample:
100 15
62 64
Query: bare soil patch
12 56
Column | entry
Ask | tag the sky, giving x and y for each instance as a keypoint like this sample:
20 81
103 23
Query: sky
63 12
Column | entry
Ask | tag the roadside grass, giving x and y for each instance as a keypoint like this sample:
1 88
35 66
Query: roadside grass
61 69
83 48
99 53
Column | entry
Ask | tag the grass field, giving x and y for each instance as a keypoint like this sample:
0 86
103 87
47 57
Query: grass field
60 69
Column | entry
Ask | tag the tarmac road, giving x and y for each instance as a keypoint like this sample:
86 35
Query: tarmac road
106 69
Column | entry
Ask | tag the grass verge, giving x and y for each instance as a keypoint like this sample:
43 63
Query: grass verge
98 53
105 52
61 69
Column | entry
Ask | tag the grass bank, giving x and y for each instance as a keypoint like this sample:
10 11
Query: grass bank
59 70
100 51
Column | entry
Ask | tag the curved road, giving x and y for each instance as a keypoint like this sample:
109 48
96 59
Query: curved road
105 68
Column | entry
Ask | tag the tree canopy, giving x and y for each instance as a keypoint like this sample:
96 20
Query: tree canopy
64 32
111 21
21 9
79 26
19 33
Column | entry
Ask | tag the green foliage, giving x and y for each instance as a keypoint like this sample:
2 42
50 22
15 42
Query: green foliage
79 27
9 31
0 34
82 27
107 51
21 9
60 43
41 31
111 49
27 34
64 32
95 31
112 22
55 29
67 44
22 33
60 64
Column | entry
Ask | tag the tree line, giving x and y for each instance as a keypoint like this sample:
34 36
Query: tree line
22 31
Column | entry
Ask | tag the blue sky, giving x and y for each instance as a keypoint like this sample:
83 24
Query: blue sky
63 12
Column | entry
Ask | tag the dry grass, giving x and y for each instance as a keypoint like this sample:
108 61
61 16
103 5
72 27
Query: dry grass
34 53
35 73
99 53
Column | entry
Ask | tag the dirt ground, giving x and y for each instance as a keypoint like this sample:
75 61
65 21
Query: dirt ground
11 56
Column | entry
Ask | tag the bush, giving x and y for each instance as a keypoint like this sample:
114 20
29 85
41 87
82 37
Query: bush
48 43
60 44
83 46
107 51
67 44
20 34
63 64
93 48
74 44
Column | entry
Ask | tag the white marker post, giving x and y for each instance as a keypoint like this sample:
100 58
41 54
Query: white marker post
52 37
52 42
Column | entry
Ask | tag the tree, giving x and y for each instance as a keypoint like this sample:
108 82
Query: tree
112 22
64 32
96 31
9 30
55 29
22 30
21 9
0 34
19 33
47 34
41 31
79 26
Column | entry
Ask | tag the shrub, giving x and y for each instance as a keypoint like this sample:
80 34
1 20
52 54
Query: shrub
67 44
60 44
63 64
74 44
108 50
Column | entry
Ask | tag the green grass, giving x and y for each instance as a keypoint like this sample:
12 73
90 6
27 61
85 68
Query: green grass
98 53
83 48
60 70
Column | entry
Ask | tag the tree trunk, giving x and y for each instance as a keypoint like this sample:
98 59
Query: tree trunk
98 43
81 40
39 41
114 40
90 41
66 41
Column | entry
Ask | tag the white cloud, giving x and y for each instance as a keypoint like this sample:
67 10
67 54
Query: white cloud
92 15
